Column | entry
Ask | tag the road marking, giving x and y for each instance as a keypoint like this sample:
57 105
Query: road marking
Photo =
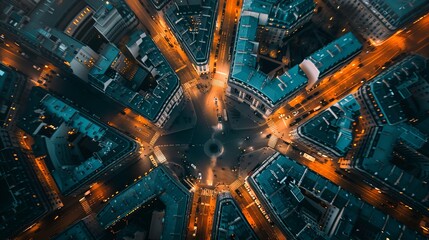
222 73
155 138
272 125
250 204
159 155
85 205
236 184
180 68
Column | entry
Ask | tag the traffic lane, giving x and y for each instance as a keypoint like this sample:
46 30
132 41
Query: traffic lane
12 58
259 223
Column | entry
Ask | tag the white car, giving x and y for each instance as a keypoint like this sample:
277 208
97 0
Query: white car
295 113
36 67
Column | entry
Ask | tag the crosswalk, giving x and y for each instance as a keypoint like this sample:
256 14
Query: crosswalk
272 126
236 184
159 155
272 142
207 192
189 84
155 138
85 205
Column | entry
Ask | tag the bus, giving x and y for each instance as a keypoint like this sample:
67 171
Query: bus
309 157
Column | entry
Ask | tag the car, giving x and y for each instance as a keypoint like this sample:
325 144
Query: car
36 67
323 102
219 118
238 193
295 113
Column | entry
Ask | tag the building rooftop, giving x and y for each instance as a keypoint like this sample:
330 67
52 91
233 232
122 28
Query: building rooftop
288 13
375 158
245 71
392 86
244 67
77 145
229 220
193 22
335 52
159 4
22 199
398 12
78 231
308 206
158 183
108 55
148 104
332 129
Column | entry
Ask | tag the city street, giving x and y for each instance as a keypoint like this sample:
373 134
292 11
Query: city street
213 154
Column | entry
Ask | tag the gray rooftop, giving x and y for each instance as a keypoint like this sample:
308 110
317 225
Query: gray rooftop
77 231
375 158
21 201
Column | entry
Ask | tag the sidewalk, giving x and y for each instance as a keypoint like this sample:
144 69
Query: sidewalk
241 116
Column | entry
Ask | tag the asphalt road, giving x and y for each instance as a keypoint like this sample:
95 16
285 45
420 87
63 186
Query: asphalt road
346 80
